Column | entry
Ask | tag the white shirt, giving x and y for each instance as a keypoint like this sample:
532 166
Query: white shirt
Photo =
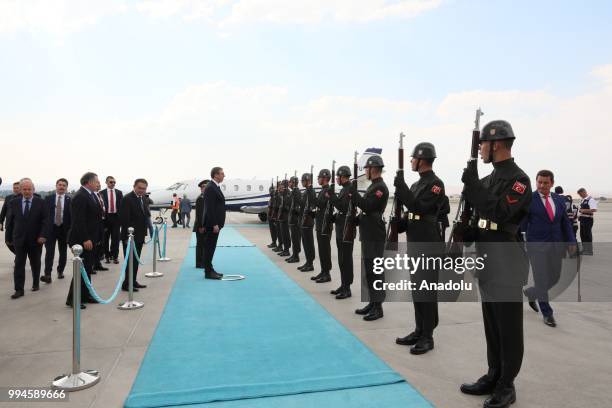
215 181
550 200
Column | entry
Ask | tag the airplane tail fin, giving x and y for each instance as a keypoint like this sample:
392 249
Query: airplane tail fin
362 181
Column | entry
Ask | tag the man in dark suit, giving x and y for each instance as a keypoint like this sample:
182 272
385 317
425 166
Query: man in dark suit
58 208
112 202
549 232
214 220
26 229
85 229
135 213
198 226
5 207
100 238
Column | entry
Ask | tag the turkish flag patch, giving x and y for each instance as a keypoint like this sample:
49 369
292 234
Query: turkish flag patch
436 189
379 193
511 200
519 187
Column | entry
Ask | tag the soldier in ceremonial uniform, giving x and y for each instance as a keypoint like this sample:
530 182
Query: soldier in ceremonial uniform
308 204
501 200
372 233
424 200
271 223
276 204
198 226
324 232
295 211
283 211
345 249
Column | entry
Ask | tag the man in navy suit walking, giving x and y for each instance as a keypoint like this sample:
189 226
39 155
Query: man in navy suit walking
58 208
549 233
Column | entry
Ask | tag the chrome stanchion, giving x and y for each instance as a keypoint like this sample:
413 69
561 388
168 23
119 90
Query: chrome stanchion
163 257
155 244
77 380
131 303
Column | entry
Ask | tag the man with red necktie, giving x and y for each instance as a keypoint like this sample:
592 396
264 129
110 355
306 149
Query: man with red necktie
112 202
549 236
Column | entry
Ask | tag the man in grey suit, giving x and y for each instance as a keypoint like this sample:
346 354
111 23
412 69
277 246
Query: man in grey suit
185 208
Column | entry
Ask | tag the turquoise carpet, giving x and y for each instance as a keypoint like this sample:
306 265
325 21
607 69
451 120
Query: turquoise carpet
259 342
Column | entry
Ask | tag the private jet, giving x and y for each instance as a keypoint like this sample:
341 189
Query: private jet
243 195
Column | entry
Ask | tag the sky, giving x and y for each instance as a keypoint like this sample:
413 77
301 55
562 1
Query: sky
167 89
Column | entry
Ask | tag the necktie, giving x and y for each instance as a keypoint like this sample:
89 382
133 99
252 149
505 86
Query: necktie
26 211
549 209
111 202
141 204
58 211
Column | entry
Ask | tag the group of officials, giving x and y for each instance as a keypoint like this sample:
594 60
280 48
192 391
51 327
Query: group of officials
96 220
506 213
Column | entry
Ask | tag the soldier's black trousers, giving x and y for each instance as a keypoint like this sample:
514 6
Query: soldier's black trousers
374 295
324 246
296 238
308 242
425 318
503 324
284 235
199 252
273 233
345 260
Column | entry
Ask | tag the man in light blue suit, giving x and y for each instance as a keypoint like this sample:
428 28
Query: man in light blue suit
549 236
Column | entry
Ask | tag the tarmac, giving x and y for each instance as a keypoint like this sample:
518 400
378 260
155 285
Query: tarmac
567 366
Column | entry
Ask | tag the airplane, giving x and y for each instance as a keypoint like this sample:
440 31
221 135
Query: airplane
249 196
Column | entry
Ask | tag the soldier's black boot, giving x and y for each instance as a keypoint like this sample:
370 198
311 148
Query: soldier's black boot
277 249
336 291
314 278
307 268
293 258
422 346
345 293
375 313
272 245
409 340
301 266
483 386
365 310
284 253
325 278
503 396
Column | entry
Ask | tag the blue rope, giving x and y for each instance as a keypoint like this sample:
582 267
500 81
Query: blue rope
93 292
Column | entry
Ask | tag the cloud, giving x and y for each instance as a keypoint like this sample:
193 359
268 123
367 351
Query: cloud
59 17
267 130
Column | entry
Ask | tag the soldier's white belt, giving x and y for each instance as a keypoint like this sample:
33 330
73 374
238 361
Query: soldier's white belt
486 224
418 217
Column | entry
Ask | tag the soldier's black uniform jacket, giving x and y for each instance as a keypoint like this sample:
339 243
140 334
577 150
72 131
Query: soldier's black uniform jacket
271 202
308 204
423 199
322 201
371 224
283 206
503 197
341 202
295 201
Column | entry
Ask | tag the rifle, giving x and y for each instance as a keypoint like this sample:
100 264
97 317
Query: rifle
464 219
274 213
350 222
292 201
329 207
396 209
307 220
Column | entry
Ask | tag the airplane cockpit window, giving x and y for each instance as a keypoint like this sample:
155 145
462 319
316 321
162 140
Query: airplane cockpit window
235 187
223 187
249 187
260 188
175 186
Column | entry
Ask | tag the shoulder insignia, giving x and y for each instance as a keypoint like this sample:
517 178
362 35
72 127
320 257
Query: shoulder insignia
511 200
519 187
379 193
436 189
